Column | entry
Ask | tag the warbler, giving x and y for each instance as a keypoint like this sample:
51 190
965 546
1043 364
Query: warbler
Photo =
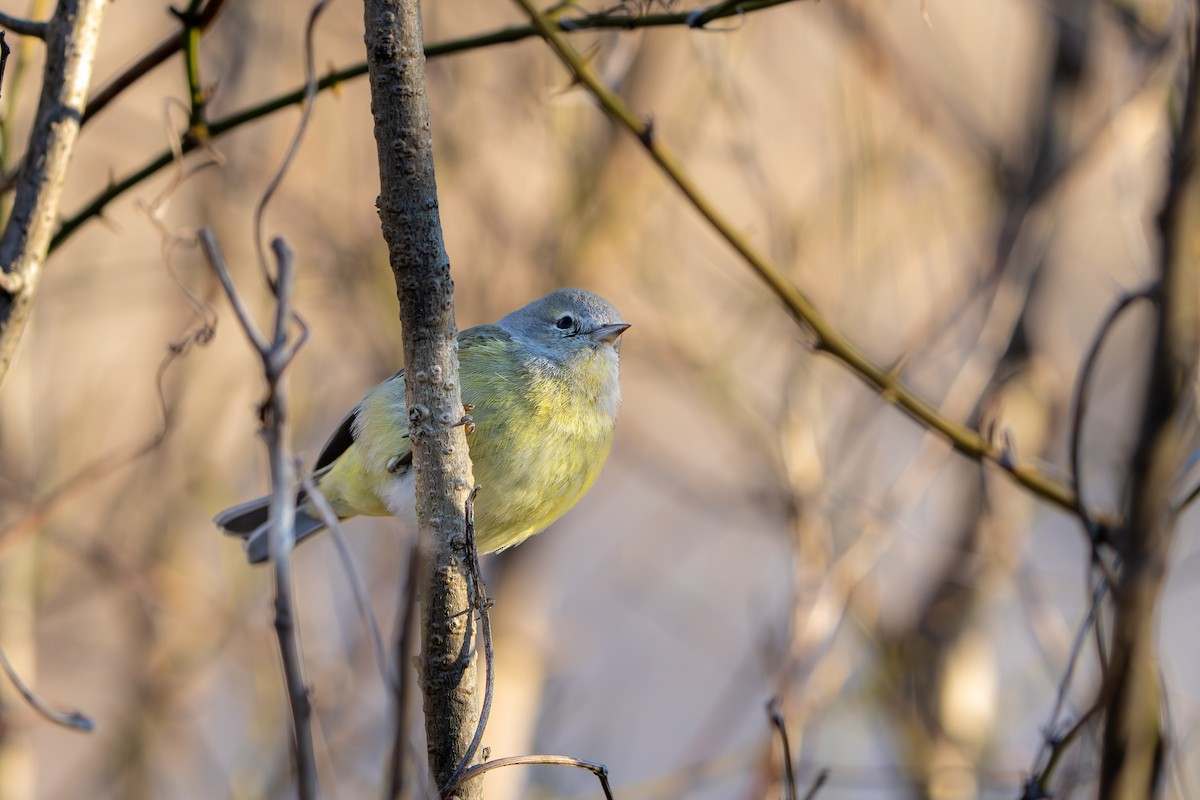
544 384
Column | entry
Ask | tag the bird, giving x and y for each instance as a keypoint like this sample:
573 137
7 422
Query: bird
543 389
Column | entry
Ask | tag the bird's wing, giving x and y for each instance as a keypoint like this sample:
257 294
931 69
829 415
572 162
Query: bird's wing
387 400
343 437
482 335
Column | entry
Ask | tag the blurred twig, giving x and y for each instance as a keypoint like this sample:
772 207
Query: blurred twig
781 728
75 720
1055 744
24 27
1096 533
817 783
358 586
599 770
276 355
310 93
1134 742
105 465
401 685
828 338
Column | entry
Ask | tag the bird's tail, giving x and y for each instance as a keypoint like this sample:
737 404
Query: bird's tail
251 521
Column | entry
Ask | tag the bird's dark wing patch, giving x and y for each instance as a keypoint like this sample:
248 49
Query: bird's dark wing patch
342 438
338 443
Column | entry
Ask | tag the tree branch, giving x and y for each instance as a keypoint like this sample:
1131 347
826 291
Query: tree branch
75 720
1134 744
276 354
24 27
828 339
71 49
408 211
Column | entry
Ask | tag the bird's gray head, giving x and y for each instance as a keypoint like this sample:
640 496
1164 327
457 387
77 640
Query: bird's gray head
567 323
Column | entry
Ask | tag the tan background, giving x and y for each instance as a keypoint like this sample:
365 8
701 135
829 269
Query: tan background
764 521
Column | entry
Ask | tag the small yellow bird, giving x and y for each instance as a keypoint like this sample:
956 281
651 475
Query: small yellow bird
545 385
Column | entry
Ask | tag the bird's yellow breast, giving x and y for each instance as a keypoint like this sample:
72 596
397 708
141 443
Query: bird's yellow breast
537 448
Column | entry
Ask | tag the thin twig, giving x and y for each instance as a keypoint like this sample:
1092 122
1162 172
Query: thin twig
75 720
358 586
1083 387
402 687
827 338
1189 499
275 358
1055 745
599 770
781 727
817 783
480 602
197 100
24 27
310 93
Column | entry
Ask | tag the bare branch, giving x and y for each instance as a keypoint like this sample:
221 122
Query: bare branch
71 49
74 720
275 358
817 783
25 27
408 211
310 94
358 586
780 726
827 338
1083 387
1055 744
1134 741
599 770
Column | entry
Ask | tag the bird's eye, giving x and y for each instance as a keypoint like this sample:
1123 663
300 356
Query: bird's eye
565 322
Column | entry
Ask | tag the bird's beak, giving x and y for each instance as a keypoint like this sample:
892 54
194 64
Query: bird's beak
609 333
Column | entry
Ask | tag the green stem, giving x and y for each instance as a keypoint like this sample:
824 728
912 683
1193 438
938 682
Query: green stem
191 58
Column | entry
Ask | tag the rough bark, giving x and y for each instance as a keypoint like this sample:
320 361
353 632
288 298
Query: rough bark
408 210
71 41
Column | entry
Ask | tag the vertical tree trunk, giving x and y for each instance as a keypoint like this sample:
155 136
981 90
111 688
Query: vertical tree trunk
1134 745
408 209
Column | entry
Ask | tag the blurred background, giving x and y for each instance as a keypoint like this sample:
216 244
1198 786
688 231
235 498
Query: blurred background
964 188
